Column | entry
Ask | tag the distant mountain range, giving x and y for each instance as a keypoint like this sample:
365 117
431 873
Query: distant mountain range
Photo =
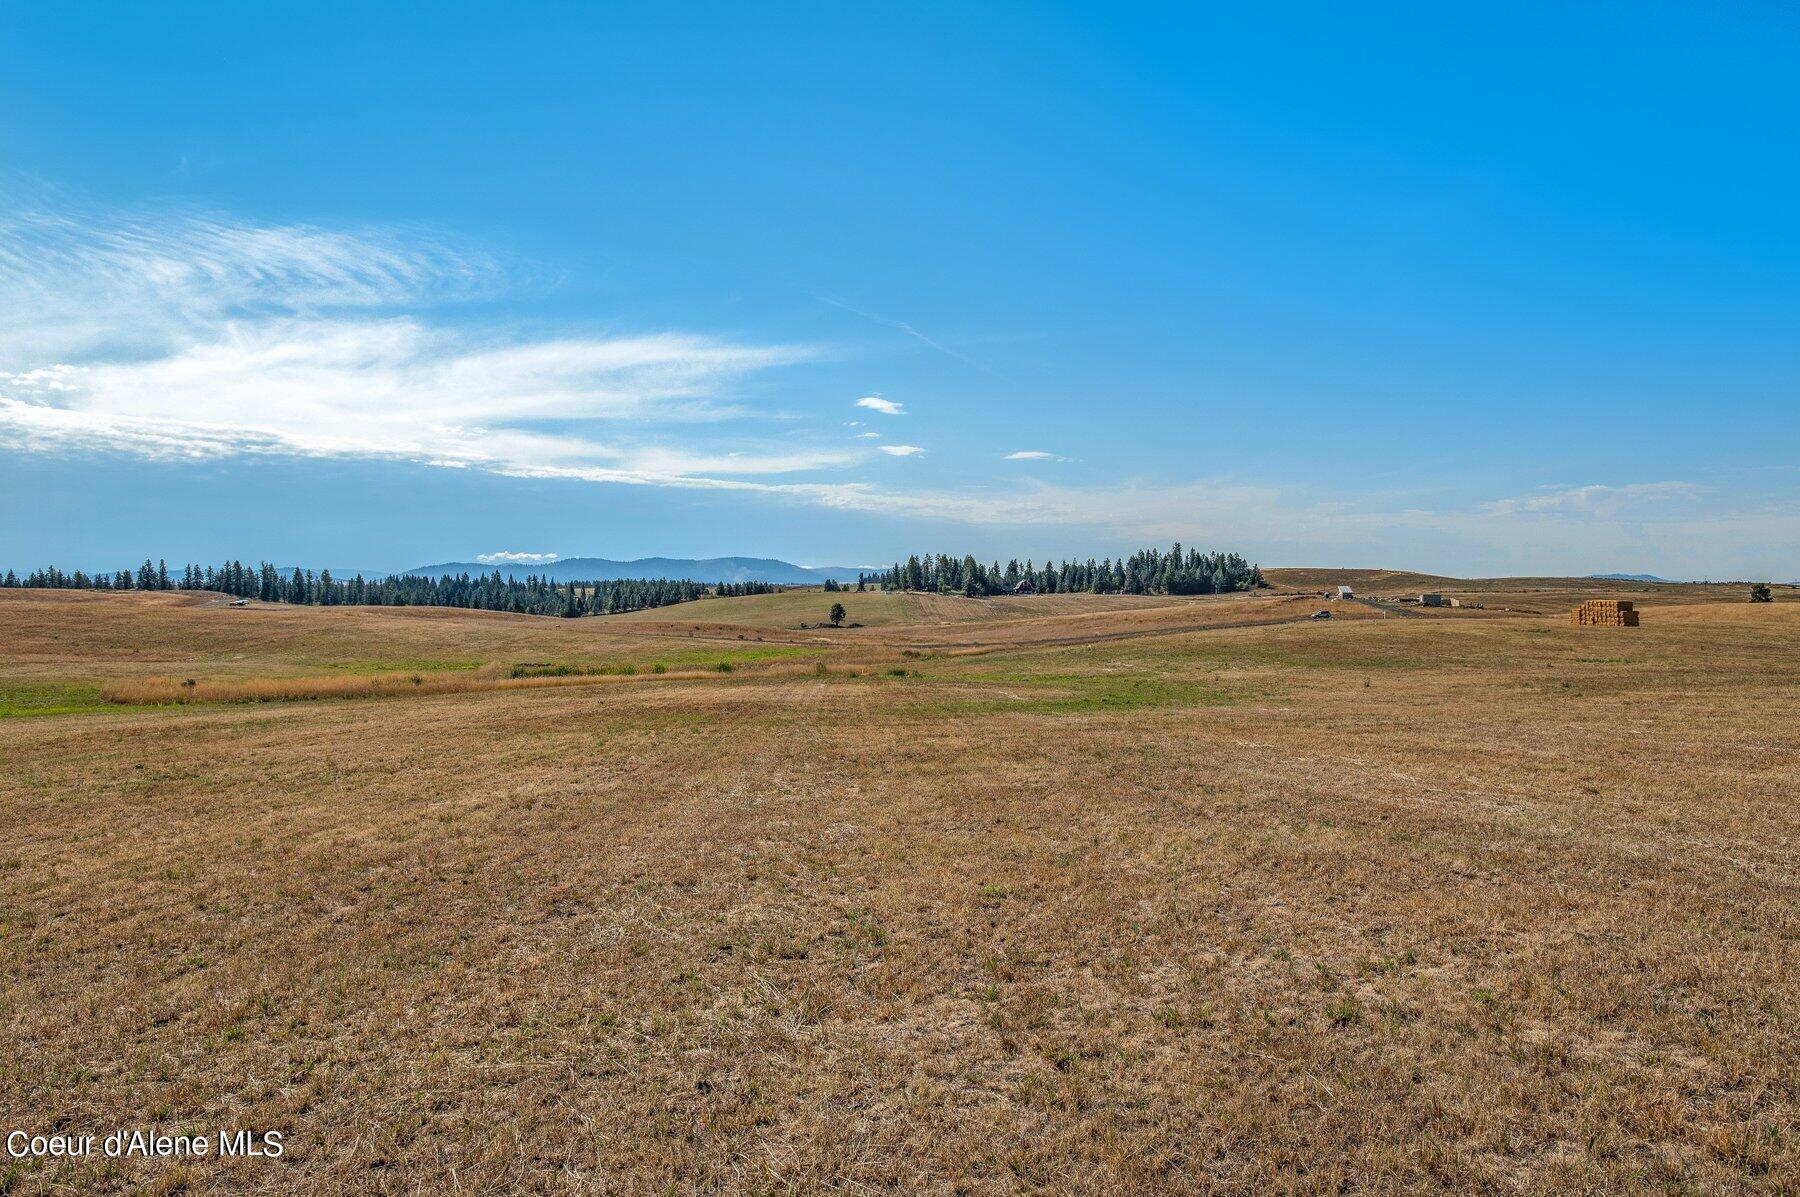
600 569
1628 578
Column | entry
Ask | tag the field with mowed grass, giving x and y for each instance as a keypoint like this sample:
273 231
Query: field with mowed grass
787 609
1069 894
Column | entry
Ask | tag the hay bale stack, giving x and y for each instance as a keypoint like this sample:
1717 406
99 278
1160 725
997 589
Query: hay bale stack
1605 613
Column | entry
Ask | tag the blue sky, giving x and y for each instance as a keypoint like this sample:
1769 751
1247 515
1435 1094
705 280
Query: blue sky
1510 291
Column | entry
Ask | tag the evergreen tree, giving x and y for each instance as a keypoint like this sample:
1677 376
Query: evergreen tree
1149 571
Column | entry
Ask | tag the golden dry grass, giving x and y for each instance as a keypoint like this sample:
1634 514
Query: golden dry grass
1757 615
164 691
949 622
1401 905
950 608
788 609
61 648
1531 596
880 613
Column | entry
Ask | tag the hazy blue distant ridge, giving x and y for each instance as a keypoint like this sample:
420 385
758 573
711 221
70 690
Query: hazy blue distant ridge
1627 578
601 569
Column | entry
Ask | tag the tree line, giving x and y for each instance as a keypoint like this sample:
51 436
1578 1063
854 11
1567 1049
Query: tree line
1147 571
485 592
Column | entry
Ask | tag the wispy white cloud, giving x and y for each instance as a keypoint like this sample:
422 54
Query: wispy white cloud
886 407
198 260
177 335
908 329
868 436
1596 498
900 450
511 558
397 389
82 281
1032 455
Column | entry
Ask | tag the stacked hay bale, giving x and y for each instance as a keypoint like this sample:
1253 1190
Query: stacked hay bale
1605 613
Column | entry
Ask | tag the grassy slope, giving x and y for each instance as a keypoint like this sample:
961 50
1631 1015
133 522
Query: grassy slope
1376 580
789 609
61 646
1389 582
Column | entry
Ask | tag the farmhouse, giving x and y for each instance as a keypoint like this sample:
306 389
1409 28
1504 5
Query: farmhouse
1345 592
1431 600
1025 586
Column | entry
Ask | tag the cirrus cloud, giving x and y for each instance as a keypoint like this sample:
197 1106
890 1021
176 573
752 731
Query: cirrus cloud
886 407
1596 498
175 335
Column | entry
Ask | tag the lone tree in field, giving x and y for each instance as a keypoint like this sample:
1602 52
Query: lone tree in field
1760 593
837 614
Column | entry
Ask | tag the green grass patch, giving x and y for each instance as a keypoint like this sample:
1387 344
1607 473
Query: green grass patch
22 700
528 669
1295 654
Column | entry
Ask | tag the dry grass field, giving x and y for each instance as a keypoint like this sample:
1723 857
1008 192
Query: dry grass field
1084 896
1530 596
